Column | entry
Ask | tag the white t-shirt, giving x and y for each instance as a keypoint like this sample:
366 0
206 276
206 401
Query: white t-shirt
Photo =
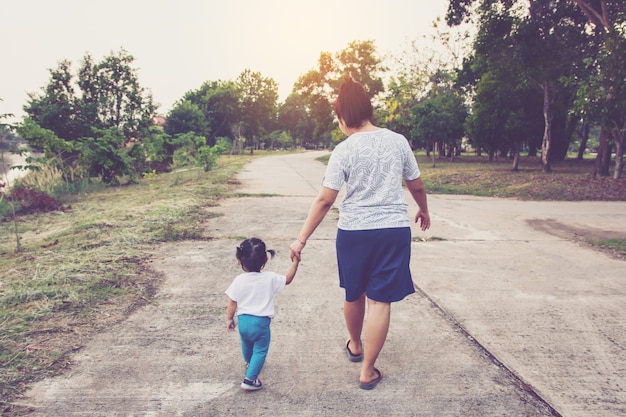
372 165
254 292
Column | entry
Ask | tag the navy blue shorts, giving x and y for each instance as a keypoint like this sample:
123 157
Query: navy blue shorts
375 262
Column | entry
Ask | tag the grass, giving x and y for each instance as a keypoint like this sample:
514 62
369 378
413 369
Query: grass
569 180
83 269
615 245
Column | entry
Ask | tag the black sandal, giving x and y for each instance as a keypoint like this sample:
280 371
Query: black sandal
352 356
373 382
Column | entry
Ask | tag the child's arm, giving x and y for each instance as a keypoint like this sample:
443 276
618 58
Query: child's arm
230 314
291 274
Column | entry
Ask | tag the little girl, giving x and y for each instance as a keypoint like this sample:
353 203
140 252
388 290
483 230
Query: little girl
251 295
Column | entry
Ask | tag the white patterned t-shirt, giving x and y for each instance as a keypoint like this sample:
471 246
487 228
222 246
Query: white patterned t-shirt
372 165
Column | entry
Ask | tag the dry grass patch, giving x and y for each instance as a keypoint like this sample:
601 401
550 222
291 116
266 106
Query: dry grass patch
81 270
569 180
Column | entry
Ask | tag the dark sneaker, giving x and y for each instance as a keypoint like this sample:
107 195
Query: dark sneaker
251 385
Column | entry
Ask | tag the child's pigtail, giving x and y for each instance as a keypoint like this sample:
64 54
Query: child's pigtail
272 253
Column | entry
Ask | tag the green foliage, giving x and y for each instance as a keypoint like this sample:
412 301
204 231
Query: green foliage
45 140
207 157
293 118
6 209
219 103
186 117
283 139
612 244
439 117
112 97
360 62
567 52
106 157
309 110
257 103
96 121
223 145
191 150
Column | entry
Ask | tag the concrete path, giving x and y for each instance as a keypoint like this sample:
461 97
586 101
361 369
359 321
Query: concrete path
510 319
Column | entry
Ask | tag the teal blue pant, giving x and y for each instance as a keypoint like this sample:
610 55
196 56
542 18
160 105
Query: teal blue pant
255 342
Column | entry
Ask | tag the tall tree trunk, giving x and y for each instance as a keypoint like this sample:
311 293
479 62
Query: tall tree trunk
600 167
434 152
618 138
547 132
516 158
584 138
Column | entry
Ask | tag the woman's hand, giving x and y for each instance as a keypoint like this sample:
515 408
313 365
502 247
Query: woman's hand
423 219
296 249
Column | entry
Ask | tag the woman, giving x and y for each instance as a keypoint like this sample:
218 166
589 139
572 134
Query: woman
374 236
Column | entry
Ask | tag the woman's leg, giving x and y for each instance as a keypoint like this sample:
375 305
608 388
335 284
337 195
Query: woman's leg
354 313
376 327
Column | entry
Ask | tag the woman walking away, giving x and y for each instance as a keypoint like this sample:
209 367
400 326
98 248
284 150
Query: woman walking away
374 237
251 296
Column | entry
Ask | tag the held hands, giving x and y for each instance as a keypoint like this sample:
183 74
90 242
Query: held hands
423 219
296 249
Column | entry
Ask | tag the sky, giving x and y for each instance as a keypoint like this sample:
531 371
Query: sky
180 44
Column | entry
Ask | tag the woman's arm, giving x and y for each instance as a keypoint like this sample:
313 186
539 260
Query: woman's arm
418 192
320 206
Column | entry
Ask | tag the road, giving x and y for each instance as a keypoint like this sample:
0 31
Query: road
511 318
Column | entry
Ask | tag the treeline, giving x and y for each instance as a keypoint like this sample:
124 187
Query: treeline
539 77
542 71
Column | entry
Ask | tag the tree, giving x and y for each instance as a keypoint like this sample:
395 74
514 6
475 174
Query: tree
485 125
548 40
120 101
318 87
219 103
55 108
314 97
105 156
572 50
539 44
101 109
360 62
604 94
396 111
417 72
258 107
185 117
439 118
294 118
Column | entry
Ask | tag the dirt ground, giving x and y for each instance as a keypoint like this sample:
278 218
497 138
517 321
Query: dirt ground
513 316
